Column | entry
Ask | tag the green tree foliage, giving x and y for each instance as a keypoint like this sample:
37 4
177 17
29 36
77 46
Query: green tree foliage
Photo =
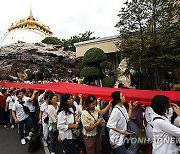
108 82
150 34
90 72
96 66
68 44
52 40
149 30
94 56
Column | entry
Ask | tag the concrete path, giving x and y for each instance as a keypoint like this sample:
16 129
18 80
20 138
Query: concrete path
10 143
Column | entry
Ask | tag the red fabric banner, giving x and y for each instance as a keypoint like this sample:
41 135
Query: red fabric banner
143 96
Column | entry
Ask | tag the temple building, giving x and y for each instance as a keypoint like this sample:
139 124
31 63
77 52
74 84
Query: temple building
27 30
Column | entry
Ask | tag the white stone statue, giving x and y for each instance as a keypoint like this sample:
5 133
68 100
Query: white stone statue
123 74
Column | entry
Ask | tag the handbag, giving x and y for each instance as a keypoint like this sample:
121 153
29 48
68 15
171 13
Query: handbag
46 120
53 127
26 109
76 132
36 140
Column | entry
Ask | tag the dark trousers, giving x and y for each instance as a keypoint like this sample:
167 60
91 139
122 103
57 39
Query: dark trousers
3 117
120 150
69 146
79 141
27 124
53 140
31 118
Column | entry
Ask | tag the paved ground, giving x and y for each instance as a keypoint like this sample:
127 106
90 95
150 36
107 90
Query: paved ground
10 144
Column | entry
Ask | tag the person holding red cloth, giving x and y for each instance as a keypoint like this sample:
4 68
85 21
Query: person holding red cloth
3 112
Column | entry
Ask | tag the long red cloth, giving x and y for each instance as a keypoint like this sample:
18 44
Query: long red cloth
143 96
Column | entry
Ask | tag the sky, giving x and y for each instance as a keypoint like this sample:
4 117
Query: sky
65 18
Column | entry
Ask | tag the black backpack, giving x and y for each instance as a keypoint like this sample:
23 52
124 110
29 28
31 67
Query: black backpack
36 140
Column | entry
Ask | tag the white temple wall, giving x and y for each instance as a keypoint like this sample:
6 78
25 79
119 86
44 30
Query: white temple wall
25 35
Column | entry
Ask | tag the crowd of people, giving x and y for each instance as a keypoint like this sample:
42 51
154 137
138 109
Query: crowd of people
79 122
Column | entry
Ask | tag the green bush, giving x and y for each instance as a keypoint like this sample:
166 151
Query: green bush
52 40
106 65
94 56
90 72
108 82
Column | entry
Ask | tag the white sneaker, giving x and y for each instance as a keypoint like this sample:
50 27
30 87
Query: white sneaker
45 143
52 152
12 126
30 134
23 141
27 137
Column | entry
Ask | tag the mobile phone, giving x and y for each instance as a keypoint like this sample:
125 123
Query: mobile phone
100 116
133 133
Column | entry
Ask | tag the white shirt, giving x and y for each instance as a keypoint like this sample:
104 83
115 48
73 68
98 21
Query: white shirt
148 115
149 119
52 113
11 101
163 136
44 109
18 108
117 120
177 121
78 107
63 121
29 104
41 98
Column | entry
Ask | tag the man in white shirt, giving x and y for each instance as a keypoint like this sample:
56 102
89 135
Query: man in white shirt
20 117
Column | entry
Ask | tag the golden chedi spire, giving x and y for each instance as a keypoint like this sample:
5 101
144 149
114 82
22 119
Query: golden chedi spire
31 23
31 14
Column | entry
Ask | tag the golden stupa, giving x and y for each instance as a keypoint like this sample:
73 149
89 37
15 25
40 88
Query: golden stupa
27 30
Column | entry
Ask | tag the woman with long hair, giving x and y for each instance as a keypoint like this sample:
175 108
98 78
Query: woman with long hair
164 132
53 108
118 122
66 123
91 119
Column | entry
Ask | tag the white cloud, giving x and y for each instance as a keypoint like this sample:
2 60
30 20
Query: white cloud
65 17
